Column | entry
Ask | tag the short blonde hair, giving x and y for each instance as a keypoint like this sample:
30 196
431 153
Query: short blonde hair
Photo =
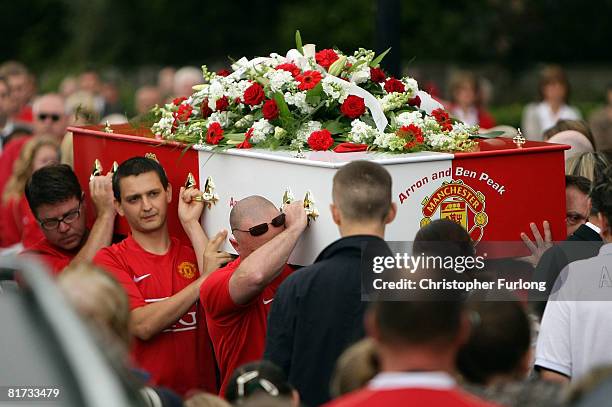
357 365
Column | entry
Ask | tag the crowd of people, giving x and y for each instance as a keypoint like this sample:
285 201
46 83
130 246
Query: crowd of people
202 327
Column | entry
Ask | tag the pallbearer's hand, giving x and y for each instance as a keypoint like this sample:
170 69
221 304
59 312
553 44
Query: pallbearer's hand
190 209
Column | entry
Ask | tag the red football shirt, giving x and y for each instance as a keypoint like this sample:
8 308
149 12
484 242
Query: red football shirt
55 258
19 224
180 357
238 332
410 389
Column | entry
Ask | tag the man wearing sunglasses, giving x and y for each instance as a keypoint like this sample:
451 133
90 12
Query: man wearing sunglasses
161 276
318 312
237 297
49 120
56 200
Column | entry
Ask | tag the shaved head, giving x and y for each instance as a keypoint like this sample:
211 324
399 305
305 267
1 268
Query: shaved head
362 191
252 208
248 212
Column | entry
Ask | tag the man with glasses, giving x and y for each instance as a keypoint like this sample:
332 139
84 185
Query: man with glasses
56 200
238 296
162 277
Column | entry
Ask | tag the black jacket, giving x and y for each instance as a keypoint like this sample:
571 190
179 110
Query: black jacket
317 313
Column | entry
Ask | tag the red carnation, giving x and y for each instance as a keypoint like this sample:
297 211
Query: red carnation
308 80
326 57
394 85
415 101
245 143
222 104
214 134
270 110
205 110
183 113
254 95
289 67
443 119
223 72
412 134
377 75
353 107
320 140
178 101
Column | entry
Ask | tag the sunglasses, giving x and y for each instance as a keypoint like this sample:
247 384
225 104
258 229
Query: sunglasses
262 228
53 116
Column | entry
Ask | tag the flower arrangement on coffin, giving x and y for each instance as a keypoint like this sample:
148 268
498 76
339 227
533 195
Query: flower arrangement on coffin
312 100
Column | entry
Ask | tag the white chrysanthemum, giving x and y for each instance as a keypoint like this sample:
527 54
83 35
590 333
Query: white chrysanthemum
163 128
362 73
439 141
261 129
279 80
382 140
298 100
333 90
411 86
223 118
362 132
306 130
216 90
408 118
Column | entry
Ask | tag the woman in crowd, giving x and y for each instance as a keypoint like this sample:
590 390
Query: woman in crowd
17 223
554 95
466 103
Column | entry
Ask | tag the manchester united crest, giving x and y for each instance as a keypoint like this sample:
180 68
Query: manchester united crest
459 203
187 270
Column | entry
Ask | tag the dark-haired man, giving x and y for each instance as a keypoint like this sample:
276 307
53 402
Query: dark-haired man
237 297
161 277
56 200
417 344
318 310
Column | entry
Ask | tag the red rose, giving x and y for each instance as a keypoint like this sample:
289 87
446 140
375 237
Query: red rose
222 104
214 134
443 119
292 68
245 143
415 101
412 134
308 80
353 107
178 101
205 110
320 140
254 95
183 113
270 110
377 75
223 72
394 85
326 57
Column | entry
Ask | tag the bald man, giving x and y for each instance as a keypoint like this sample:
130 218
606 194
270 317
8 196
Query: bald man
238 296
49 120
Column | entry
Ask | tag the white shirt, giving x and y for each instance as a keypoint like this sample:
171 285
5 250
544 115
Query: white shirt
576 330
548 118
403 380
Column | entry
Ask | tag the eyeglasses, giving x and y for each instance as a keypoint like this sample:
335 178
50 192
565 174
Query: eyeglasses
262 228
53 116
574 218
69 217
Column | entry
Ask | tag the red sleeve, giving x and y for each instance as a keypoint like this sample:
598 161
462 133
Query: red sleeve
9 225
106 259
214 292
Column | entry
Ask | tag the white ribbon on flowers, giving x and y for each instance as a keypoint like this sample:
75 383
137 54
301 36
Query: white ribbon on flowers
243 65
428 103
351 89
370 101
